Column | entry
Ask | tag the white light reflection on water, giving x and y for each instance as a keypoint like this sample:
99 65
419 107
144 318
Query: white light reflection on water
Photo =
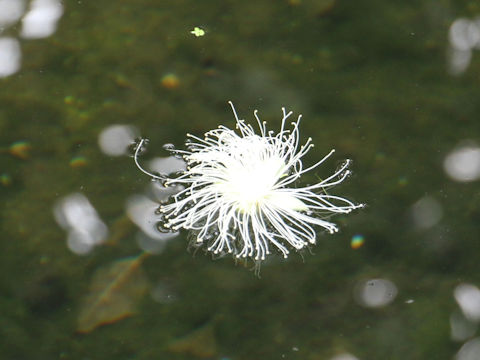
461 328
78 217
463 163
167 165
426 212
468 298
142 212
115 140
375 293
141 209
41 19
10 56
162 193
10 11
344 356
463 36
470 350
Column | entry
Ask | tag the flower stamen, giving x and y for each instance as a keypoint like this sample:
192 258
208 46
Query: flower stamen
238 194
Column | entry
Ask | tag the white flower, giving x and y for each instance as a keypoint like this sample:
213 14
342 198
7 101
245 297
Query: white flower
239 191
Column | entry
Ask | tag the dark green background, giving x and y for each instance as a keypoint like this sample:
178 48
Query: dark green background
371 80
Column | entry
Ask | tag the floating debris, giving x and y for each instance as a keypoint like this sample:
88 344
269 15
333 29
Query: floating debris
114 293
197 31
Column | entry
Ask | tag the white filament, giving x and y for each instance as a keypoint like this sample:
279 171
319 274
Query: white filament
238 191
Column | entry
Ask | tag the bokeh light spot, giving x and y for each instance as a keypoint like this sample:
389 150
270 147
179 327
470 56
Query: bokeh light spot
426 212
470 350
375 293
41 19
357 241
10 56
10 11
115 140
344 356
461 328
142 212
78 217
468 298
463 163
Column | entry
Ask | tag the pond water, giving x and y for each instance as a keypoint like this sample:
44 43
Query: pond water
86 274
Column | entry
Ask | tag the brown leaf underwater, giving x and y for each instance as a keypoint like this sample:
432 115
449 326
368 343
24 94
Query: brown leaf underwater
114 293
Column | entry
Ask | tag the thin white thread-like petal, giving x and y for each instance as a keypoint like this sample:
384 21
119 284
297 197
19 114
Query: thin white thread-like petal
238 193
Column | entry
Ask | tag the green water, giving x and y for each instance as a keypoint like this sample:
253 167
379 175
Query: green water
371 80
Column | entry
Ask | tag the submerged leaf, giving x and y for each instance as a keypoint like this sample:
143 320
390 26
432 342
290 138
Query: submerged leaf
114 293
200 343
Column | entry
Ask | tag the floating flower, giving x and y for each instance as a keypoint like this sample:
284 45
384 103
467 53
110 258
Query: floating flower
239 192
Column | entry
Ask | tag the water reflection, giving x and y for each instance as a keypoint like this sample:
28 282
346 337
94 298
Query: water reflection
10 12
461 328
321 286
167 165
375 293
470 350
463 163
39 21
464 324
142 212
344 356
426 212
10 56
463 36
468 298
75 214
115 140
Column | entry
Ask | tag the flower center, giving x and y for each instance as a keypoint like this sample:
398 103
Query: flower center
249 175
250 185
